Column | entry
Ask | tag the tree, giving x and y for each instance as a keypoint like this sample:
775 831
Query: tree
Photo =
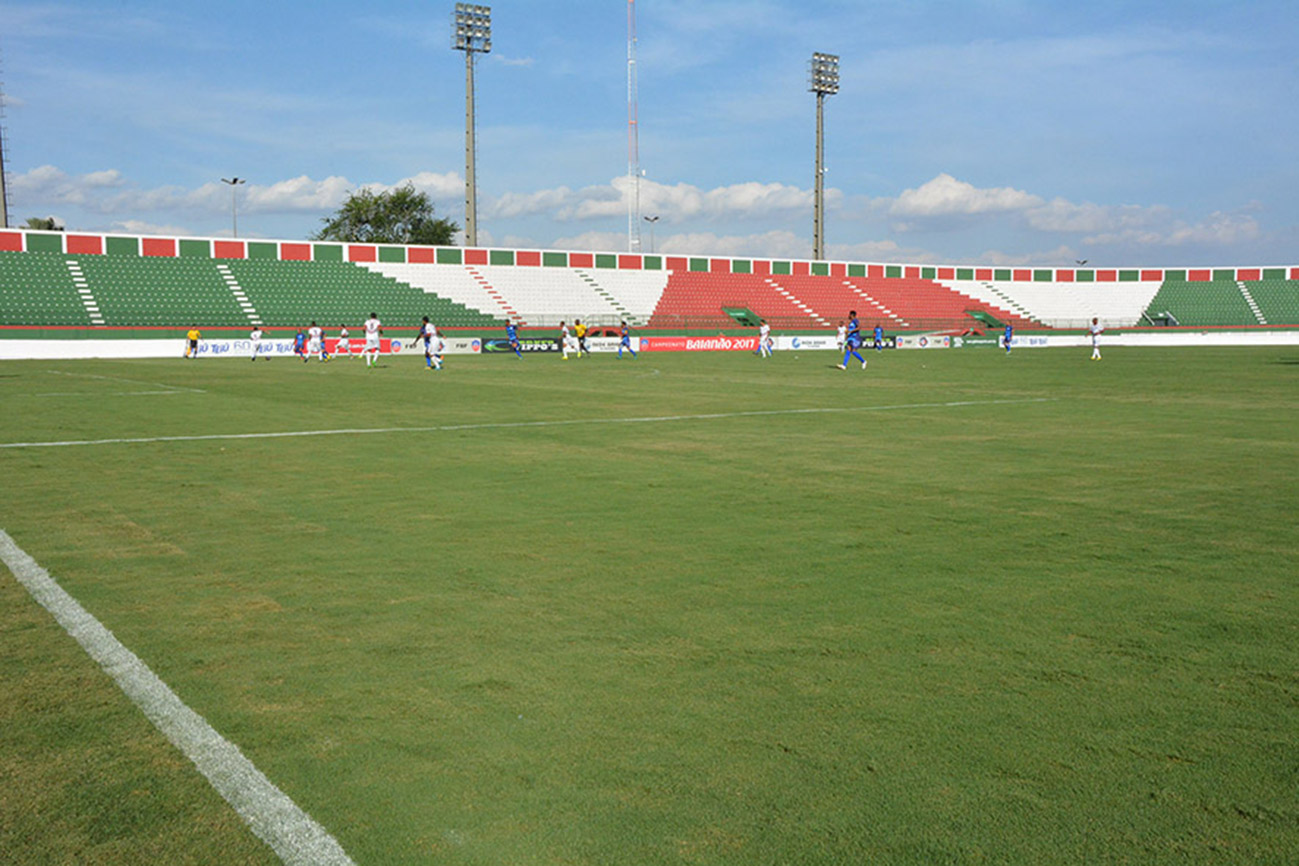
402 216
43 224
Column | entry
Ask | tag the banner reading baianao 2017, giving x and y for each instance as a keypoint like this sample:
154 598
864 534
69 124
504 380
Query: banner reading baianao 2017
699 344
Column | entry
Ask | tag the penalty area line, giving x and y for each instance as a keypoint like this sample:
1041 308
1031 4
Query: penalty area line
290 832
512 425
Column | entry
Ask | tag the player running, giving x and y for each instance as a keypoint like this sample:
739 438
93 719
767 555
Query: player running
566 342
1096 331
315 343
191 342
580 330
512 335
852 342
256 339
764 339
344 345
879 338
840 337
624 334
1010 332
373 333
428 332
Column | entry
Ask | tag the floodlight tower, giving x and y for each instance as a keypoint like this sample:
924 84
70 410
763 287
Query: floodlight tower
823 80
234 214
471 32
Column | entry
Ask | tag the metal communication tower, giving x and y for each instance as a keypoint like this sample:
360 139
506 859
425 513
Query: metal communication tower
471 32
633 136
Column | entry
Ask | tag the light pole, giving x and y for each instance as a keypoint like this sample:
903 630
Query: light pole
471 31
823 80
234 217
651 220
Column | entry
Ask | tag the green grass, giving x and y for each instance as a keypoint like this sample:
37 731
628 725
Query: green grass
1053 631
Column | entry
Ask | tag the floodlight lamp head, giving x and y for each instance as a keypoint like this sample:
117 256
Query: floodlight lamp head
823 74
471 28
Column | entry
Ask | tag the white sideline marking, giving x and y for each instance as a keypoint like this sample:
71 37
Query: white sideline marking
507 425
271 815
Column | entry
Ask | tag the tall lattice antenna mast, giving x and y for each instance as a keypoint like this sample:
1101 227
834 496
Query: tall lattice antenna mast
4 158
633 137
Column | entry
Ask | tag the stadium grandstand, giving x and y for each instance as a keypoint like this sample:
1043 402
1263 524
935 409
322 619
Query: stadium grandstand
74 280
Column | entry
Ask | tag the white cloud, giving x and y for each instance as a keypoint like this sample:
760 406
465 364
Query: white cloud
947 196
1218 229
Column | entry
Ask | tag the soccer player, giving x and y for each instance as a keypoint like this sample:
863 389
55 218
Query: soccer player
580 330
852 342
428 332
1096 331
625 342
373 331
566 341
344 346
879 338
256 338
764 339
840 337
315 343
1010 332
191 342
300 344
512 334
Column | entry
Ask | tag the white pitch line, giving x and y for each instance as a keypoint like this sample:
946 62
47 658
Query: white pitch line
509 425
267 810
177 388
105 394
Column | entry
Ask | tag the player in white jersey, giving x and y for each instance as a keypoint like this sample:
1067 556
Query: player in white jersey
256 339
567 342
841 337
1096 331
373 331
764 339
344 346
428 334
315 344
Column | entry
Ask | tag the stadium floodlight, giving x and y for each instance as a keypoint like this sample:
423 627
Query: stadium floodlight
823 80
234 216
651 220
471 32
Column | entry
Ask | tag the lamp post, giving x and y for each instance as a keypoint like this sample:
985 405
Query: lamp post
234 216
823 80
651 220
471 31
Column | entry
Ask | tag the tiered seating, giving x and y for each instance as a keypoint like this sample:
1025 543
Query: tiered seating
925 304
830 299
696 300
1065 305
637 292
292 293
1278 300
546 296
160 291
37 289
452 283
1205 303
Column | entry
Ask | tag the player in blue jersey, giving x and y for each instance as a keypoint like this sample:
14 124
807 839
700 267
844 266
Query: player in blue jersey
852 342
1010 332
428 333
879 338
624 334
512 334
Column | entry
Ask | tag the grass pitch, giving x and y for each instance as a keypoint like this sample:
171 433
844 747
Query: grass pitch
987 609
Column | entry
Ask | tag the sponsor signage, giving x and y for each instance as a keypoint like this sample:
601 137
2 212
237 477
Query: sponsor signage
924 341
527 344
699 344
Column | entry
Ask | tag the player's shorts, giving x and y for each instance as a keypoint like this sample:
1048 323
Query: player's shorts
852 343
313 346
372 343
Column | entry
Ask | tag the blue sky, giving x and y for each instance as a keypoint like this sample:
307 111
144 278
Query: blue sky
990 131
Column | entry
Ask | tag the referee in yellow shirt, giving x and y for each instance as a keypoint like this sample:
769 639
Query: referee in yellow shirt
191 345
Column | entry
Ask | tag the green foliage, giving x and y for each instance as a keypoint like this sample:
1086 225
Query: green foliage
45 224
402 216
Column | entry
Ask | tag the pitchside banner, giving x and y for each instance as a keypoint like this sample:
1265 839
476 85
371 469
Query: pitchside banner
551 344
924 341
699 344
